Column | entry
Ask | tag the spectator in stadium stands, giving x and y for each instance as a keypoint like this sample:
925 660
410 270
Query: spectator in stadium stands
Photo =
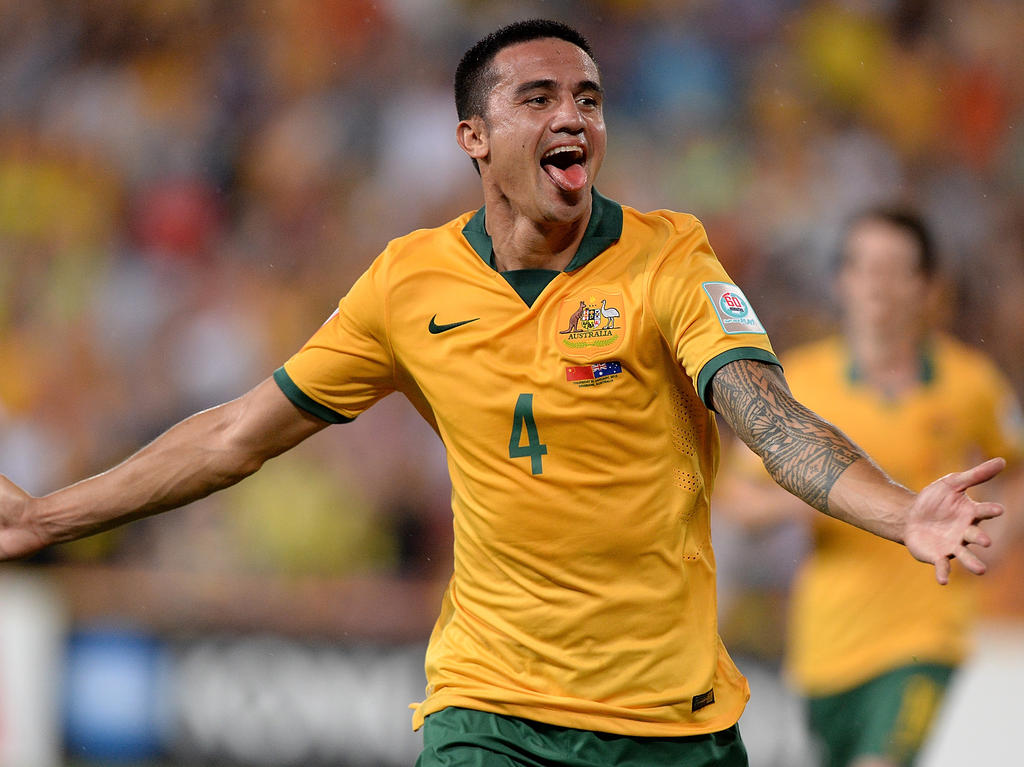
579 627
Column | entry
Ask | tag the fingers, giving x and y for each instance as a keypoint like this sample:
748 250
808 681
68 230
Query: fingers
968 559
975 476
987 510
964 555
975 534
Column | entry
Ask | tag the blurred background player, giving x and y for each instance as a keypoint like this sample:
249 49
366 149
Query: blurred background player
872 642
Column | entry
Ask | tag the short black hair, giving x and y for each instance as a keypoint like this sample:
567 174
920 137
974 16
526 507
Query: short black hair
905 219
474 77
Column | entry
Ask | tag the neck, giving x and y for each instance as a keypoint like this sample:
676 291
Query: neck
888 362
522 242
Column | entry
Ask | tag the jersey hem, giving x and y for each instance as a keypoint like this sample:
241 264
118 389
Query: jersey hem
632 727
816 686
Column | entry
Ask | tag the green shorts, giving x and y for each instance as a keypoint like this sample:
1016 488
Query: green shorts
460 737
888 716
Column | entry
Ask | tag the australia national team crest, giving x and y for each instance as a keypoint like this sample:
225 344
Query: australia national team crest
592 324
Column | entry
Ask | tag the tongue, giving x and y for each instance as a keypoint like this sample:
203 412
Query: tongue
572 179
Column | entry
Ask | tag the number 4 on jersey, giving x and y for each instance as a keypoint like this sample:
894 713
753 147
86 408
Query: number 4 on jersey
534 448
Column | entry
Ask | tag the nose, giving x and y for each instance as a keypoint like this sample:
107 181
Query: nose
567 117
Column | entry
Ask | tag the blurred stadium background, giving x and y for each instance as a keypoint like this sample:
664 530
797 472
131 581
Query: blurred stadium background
188 186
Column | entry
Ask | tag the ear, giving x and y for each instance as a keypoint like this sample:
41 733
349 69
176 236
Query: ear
473 137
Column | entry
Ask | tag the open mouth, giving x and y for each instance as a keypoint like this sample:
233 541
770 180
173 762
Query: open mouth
565 165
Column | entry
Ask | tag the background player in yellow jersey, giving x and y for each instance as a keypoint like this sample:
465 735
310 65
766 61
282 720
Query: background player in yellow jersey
579 625
872 642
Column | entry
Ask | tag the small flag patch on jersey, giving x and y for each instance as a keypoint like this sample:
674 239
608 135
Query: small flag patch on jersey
592 372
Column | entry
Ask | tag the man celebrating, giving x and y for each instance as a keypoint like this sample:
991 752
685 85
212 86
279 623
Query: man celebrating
579 626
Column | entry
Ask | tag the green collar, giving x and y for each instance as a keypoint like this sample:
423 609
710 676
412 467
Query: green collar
926 367
603 230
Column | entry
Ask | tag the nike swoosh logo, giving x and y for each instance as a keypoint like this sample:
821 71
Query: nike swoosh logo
434 328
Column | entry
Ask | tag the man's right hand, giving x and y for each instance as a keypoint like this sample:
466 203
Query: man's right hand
18 537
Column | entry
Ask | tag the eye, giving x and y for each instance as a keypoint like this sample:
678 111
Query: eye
540 100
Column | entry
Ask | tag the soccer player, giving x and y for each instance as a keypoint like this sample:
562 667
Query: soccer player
569 351
872 642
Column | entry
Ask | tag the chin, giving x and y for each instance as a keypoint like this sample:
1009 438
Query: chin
563 215
567 206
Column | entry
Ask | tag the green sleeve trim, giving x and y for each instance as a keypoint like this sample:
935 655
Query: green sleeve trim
303 401
716 363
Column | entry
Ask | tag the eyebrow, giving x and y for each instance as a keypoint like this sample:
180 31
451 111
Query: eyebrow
549 84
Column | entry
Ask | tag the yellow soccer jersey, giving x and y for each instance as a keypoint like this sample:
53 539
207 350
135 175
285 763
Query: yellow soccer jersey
862 605
581 456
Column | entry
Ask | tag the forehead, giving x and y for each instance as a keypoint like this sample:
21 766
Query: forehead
877 241
547 58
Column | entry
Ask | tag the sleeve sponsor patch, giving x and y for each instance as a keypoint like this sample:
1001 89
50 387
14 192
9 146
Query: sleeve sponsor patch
733 309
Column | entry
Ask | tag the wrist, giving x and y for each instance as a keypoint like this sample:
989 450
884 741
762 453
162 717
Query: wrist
866 498
41 519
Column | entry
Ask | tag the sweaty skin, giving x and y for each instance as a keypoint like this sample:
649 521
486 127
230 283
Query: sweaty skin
548 98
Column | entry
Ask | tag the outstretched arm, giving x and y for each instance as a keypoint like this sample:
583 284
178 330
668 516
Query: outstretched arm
204 453
746 495
816 462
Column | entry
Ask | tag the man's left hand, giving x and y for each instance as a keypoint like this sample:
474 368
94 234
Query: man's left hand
943 521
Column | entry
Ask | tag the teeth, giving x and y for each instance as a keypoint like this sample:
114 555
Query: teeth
562 150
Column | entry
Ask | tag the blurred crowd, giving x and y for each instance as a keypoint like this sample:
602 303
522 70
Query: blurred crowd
187 187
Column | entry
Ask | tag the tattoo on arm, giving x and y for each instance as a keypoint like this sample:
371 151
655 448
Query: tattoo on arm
803 453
